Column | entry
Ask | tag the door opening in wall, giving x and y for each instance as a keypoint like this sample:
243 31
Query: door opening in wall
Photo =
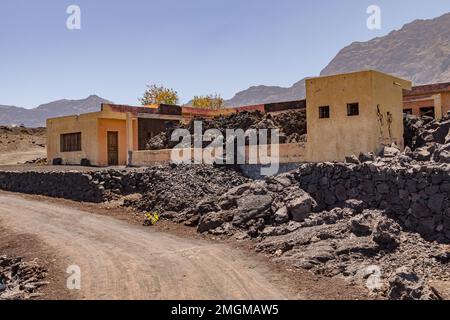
113 148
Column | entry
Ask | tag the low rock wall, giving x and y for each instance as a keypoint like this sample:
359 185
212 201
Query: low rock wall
418 196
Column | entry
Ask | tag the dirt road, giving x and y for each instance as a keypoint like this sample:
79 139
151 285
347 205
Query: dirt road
123 261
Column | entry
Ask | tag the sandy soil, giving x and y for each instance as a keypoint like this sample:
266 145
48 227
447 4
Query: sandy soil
18 157
19 145
123 260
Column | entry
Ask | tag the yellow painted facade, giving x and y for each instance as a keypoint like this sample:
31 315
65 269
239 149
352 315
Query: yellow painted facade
429 99
287 153
93 128
379 122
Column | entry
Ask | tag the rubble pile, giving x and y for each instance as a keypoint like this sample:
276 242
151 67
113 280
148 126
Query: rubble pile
413 126
427 139
365 247
20 280
251 207
349 241
178 190
173 183
292 126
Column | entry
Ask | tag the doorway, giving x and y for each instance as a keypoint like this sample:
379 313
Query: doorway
113 148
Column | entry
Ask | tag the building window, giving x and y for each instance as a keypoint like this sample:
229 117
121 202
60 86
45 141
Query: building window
427 111
408 111
71 142
353 109
324 112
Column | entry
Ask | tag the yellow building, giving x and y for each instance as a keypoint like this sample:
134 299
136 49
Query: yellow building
107 137
114 135
431 100
346 114
352 113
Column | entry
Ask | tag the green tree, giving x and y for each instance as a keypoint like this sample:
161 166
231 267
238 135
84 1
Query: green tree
159 95
212 101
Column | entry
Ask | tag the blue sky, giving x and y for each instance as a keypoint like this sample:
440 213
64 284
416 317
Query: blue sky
194 46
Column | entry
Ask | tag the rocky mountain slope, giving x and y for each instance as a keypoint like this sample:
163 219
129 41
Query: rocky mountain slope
266 94
420 51
32 118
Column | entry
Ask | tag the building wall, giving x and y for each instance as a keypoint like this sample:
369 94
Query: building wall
93 128
439 100
86 124
388 98
445 100
416 104
341 135
335 137
287 153
328 139
105 125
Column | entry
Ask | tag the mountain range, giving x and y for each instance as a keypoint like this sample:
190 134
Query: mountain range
419 51
36 117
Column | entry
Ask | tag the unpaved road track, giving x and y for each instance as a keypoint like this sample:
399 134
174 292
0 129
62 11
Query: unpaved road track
123 261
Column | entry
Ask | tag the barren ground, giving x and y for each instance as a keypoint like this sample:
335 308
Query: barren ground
119 259
19 145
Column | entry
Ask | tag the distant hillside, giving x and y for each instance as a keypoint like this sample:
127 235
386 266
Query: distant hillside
265 94
420 52
32 118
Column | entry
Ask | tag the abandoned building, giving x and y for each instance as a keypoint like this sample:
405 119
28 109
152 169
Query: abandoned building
428 100
346 114
352 113
110 136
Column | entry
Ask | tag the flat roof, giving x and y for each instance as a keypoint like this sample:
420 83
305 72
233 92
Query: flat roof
174 112
406 84
428 89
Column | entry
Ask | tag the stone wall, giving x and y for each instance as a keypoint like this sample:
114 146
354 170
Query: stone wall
253 171
169 184
88 186
78 186
417 196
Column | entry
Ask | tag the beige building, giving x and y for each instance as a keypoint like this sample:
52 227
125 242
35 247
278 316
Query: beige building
117 134
352 113
346 114
428 100
107 137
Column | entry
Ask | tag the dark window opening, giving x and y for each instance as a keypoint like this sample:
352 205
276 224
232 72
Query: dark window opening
71 142
427 111
149 128
408 111
353 109
324 112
